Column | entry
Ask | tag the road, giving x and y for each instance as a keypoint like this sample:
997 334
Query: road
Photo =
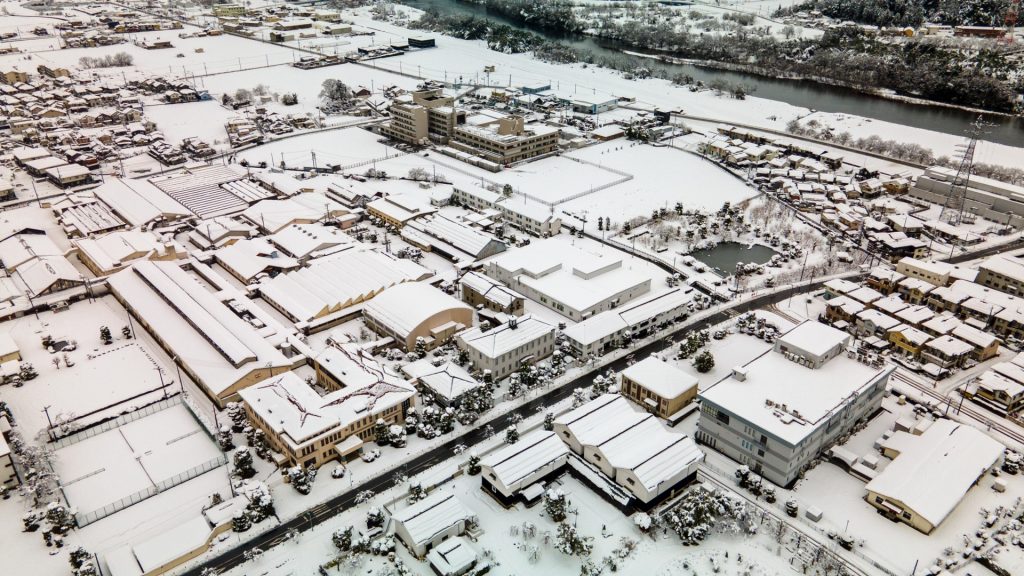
322 512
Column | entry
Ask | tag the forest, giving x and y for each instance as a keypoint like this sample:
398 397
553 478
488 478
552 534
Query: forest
909 12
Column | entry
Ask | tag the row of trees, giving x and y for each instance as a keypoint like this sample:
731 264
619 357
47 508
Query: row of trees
118 60
908 12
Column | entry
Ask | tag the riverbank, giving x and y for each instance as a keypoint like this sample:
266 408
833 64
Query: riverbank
759 71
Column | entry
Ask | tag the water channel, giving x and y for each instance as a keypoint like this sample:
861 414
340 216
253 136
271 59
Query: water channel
804 93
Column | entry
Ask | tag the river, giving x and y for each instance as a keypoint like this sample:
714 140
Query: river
803 93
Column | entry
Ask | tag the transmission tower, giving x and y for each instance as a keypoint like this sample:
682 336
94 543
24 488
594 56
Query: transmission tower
953 209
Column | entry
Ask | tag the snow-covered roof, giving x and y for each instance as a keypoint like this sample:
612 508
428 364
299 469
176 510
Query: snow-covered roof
42 273
448 232
491 289
22 248
915 315
891 304
973 336
89 217
115 249
199 189
302 240
624 317
505 338
333 283
250 257
403 307
950 346
840 286
215 343
912 335
864 294
813 338
172 544
431 516
809 395
453 556
273 215
1007 266
295 411
448 380
401 207
532 452
935 470
880 319
660 377
138 201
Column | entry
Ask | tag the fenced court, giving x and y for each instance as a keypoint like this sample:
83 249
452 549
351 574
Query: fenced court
103 471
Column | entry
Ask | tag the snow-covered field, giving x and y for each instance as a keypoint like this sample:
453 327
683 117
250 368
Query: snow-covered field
661 176
343 147
101 470
101 375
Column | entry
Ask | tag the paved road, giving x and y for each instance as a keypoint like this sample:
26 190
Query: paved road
234 556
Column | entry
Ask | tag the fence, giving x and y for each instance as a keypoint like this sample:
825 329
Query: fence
86 518
116 422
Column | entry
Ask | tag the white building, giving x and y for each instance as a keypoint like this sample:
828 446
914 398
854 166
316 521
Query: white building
508 471
632 448
503 349
602 332
327 286
217 345
931 472
412 311
570 280
780 410
430 522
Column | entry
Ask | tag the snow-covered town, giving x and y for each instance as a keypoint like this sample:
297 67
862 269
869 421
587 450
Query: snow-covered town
511 286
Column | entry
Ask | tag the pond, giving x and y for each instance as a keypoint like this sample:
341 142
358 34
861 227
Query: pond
723 258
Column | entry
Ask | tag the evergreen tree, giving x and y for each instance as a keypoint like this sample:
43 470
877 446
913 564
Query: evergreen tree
261 504
704 362
549 421
511 435
126 332
78 556
105 336
28 371
241 521
474 465
555 504
343 539
224 439
243 463
382 432
374 518
571 543
416 492
237 415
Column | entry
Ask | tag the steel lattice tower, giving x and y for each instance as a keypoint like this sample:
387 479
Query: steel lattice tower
953 209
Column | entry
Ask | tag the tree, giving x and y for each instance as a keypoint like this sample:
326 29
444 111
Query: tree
237 415
374 518
343 539
382 432
290 99
59 517
571 543
418 174
511 435
334 91
261 504
416 492
224 438
579 397
126 332
555 504
28 371
507 191
473 466
704 362
302 479
421 346
549 421
105 336
78 556
243 463
241 522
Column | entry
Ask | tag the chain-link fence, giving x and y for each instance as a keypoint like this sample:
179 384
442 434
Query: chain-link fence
116 422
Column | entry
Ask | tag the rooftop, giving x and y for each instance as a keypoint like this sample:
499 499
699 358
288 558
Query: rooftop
660 377
935 470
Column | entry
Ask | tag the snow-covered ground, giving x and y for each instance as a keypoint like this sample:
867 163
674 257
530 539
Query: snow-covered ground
101 375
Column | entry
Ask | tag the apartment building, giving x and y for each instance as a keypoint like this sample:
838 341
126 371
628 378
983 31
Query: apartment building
781 410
